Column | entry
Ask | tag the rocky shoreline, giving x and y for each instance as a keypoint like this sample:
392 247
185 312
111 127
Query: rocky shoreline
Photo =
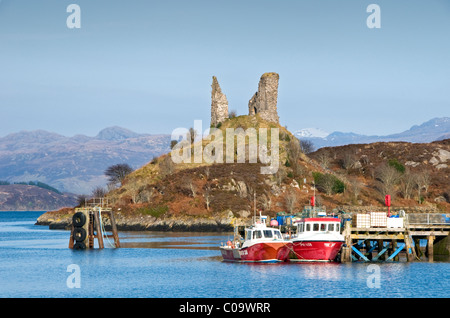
62 220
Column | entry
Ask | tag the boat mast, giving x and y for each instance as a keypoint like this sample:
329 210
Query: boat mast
254 205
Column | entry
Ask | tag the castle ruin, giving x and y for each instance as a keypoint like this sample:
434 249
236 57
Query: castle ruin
219 104
263 102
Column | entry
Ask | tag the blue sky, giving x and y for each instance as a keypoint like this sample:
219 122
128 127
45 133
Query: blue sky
148 65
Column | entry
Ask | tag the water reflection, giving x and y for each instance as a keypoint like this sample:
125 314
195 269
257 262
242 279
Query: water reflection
171 240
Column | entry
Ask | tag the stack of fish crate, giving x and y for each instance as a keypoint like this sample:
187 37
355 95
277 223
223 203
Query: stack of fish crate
361 220
378 219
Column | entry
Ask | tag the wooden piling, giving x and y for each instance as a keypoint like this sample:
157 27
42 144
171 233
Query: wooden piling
114 229
71 239
98 229
430 247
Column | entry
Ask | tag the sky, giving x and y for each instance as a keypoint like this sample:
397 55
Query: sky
147 65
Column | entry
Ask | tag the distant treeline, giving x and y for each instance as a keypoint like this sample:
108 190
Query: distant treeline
33 183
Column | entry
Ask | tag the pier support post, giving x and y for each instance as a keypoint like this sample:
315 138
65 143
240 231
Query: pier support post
394 248
381 250
442 246
409 251
429 250
346 251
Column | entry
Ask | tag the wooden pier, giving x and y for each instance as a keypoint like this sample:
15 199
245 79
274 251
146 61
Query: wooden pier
88 224
389 244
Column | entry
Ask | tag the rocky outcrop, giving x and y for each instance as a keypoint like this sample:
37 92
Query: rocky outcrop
264 101
219 104
221 223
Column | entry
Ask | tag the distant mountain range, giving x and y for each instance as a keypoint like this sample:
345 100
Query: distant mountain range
75 164
432 130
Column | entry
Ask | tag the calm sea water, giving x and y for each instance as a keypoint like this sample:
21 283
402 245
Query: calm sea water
34 262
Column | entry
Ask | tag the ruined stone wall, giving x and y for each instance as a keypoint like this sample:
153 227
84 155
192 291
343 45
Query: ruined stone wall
219 104
264 101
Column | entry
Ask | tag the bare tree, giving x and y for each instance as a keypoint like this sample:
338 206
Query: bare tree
117 173
207 172
191 187
423 181
326 184
324 159
306 146
356 187
280 175
388 177
99 192
348 161
408 182
207 196
294 151
81 200
166 166
290 200
265 202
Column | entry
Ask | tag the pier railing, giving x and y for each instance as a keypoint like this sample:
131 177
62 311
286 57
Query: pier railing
97 202
428 218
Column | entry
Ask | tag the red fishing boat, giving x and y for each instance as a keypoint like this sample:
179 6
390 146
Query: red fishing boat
261 244
317 239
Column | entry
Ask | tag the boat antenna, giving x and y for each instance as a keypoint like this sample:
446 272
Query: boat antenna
314 194
254 204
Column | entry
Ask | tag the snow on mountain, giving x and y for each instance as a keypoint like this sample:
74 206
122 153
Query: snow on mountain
434 129
311 133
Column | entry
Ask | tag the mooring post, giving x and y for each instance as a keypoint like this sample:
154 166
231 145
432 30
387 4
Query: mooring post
114 229
98 229
91 229
71 239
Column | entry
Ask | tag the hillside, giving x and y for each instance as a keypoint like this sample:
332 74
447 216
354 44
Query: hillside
422 171
227 190
18 197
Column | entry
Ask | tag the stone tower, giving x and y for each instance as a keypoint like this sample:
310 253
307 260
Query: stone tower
264 101
219 104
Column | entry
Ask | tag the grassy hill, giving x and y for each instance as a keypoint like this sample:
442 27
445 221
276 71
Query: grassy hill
354 173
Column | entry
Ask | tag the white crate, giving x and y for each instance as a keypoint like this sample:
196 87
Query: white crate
378 219
395 222
361 221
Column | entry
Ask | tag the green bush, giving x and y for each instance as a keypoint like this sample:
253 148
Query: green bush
397 165
328 183
154 211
